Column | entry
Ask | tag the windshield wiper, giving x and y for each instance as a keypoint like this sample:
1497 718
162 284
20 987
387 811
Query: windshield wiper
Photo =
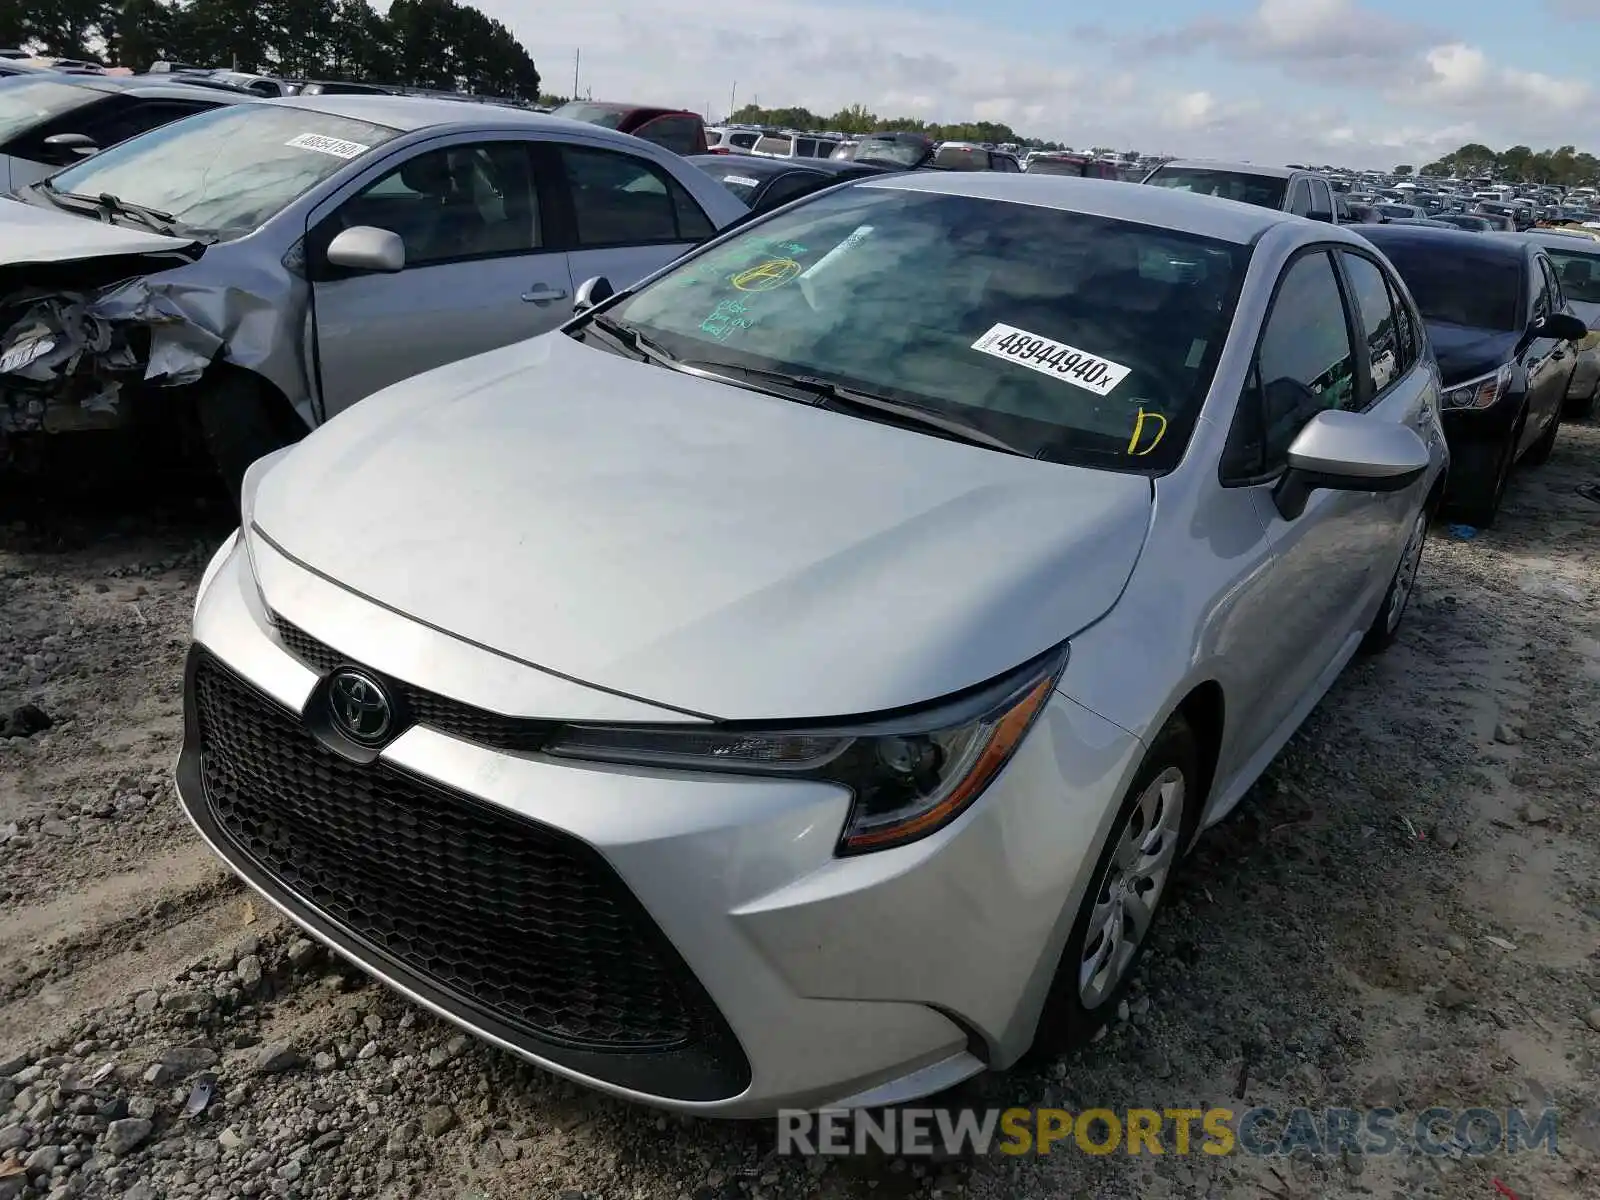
869 404
110 206
633 340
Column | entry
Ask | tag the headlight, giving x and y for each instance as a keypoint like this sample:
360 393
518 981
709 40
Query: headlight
909 776
1480 392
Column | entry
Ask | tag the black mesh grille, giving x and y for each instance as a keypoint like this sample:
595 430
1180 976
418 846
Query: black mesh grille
508 917
424 707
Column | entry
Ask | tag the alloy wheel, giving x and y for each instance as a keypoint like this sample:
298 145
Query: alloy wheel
1146 847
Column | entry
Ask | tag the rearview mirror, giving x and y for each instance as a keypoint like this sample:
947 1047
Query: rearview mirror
591 292
367 248
1562 326
1348 452
68 147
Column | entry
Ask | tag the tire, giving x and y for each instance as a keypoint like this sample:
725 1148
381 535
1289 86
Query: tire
1072 1012
1539 453
1402 585
1484 471
240 421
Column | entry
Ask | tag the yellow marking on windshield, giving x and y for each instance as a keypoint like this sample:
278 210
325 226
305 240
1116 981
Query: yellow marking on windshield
1138 432
763 277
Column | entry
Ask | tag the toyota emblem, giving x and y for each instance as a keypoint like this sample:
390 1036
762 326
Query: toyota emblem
360 707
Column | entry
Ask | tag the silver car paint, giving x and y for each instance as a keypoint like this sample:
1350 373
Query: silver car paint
832 984
697 519
241 291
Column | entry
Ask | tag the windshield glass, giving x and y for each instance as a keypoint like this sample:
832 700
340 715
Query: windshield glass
1075 338
222 173
604 115
897 151
1579 274
1264 190
27 100
1455 286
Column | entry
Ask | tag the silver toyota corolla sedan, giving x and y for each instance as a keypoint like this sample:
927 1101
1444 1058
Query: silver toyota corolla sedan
793 682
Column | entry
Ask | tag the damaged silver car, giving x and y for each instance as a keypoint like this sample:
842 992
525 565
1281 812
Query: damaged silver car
254 270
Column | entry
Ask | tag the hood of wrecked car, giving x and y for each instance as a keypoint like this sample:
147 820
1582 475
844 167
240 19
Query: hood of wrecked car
31 233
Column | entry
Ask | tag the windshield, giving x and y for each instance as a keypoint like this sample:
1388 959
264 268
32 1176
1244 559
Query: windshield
1074 338
1453 285
1579 274
224 172
27 101
605 115
1265 190
896 151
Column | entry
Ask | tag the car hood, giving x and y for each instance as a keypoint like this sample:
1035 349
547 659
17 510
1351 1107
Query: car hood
696 544
33 233
1465 353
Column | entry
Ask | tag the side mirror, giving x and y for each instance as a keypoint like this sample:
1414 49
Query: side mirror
1320 214
1562 326
591 292
69 147
1348 452
367 248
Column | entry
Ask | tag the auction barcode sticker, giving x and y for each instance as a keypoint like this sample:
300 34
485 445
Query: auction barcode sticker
322 144
1053 358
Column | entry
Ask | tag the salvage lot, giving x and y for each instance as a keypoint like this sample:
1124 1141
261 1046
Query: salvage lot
1328 943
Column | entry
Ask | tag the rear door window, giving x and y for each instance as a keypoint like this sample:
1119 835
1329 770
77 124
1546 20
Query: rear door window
623 200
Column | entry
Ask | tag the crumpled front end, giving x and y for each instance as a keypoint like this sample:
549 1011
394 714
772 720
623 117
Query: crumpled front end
71 359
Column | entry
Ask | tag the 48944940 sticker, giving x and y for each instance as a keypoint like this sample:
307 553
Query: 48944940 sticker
1050 357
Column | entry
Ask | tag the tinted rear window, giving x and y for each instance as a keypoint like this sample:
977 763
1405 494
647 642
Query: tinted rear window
1054 166
961 158
1264 190
1455 286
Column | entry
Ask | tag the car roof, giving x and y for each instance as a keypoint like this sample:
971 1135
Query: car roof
141 86
1237 168
1508 245
1569 242
750 164
1207 216
410 113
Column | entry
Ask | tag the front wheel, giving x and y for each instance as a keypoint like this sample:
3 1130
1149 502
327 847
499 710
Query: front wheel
1153 825
1539 453
1483 468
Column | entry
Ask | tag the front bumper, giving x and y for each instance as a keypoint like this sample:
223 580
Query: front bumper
811 980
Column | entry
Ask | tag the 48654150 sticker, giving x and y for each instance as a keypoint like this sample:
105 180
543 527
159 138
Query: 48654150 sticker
1053 358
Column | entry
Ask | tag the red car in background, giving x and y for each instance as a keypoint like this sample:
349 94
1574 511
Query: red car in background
670 128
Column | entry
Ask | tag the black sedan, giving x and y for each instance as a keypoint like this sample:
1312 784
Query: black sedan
1503 335
768 183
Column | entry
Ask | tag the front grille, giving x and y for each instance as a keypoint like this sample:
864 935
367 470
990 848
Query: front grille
508 918
424 707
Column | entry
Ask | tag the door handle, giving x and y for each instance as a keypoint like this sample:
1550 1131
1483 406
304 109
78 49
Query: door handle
543 293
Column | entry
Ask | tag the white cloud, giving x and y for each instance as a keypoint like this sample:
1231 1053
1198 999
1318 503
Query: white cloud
1338 82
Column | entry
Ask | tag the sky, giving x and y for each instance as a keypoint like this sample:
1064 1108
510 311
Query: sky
1360 83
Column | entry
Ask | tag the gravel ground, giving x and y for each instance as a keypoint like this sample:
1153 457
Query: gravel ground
1404 912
